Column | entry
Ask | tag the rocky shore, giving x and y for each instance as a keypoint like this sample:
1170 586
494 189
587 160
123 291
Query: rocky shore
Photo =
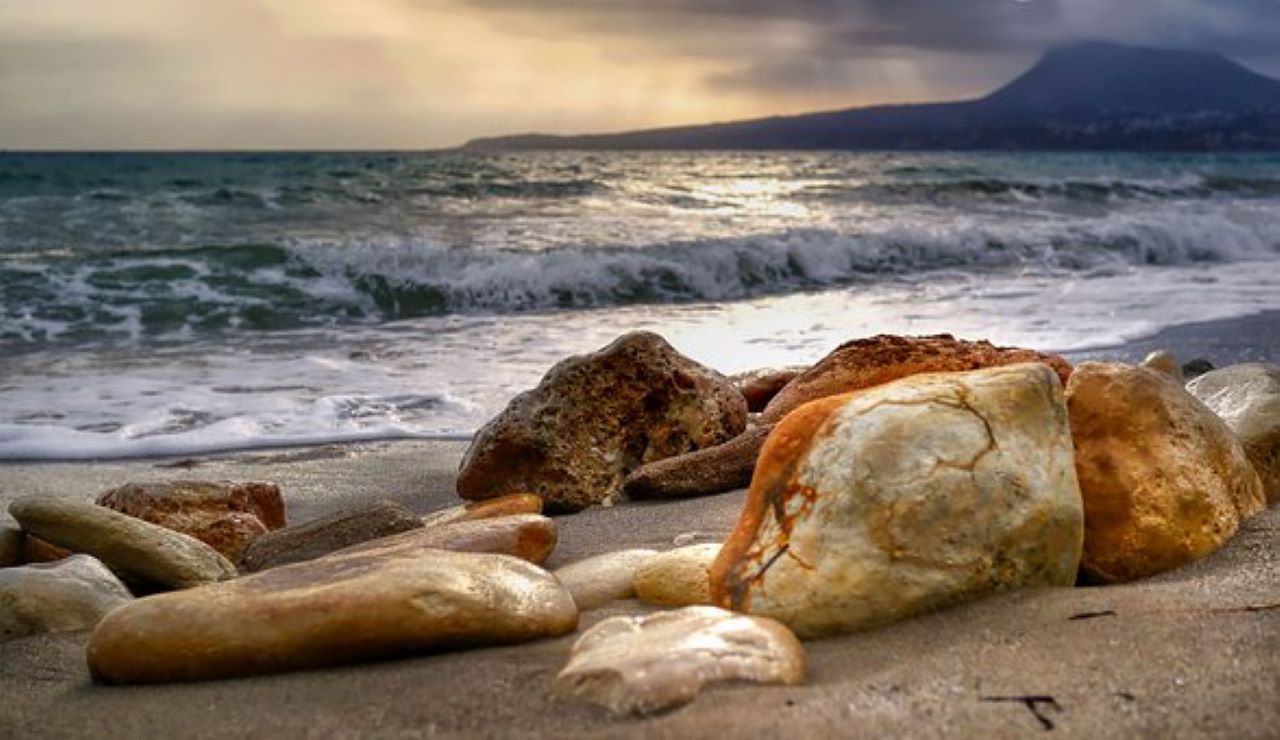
923 536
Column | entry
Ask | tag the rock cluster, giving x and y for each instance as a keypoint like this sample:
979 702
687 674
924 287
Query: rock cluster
595 418
226 516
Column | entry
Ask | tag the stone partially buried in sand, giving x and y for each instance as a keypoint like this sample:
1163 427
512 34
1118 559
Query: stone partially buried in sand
1247 398
677 577
529 537
226 516
516 503
875 506
1164 480
328 534
598 580
636 665
341 608
595 418
134 549
71 594
866 363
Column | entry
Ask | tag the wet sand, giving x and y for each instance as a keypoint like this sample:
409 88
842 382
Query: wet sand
1192 652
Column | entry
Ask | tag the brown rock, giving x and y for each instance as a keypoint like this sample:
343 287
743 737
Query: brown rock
529 537
11 543
865 363
760 386
595 418
328 534
226 516
36 550
516 503
716 469
341 608
1164 480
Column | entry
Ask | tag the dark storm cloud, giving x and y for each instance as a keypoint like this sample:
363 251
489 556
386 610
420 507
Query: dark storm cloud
831 41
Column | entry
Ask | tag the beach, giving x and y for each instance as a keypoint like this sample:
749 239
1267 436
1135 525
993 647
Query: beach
1190 652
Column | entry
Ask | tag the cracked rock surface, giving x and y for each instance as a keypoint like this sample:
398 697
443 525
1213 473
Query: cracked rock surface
637 665
875 506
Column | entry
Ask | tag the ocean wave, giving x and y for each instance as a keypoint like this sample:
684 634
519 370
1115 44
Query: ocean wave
180 292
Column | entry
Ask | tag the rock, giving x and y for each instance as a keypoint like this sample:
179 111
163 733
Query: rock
1164 362
328 534
760 386
516 503
11 543
529 537
1196 367
724 467
694 538
598 580
875 506
226 516
134 549
1164 480
866 363
637 665
36 550
341 608
1247 398
677 577
595 418
71 594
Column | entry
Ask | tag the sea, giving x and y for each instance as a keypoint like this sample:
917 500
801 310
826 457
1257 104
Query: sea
177 304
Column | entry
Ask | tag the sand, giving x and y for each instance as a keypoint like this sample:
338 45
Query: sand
1191 653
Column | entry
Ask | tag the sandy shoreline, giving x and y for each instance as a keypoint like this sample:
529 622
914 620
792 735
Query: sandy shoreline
1190 652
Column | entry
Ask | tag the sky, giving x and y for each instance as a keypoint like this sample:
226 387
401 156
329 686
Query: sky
410 74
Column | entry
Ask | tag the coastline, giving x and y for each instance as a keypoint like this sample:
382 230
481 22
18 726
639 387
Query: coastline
1188 652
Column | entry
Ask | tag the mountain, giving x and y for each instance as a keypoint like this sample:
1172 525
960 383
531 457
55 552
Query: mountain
1089 95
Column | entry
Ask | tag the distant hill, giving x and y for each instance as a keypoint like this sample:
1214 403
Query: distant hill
1090 95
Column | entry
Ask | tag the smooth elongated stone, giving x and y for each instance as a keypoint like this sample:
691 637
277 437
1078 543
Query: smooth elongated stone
636 665
882 504
530 537
134 549
342 608
598 580
716 469
516 503
329 534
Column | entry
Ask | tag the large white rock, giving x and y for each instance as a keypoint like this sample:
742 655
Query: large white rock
598 580
635 665
70 594
1247 398
874 506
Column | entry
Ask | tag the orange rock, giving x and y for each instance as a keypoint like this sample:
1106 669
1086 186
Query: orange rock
529 537
226 516
595 418
865 363
516 503
1163 478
